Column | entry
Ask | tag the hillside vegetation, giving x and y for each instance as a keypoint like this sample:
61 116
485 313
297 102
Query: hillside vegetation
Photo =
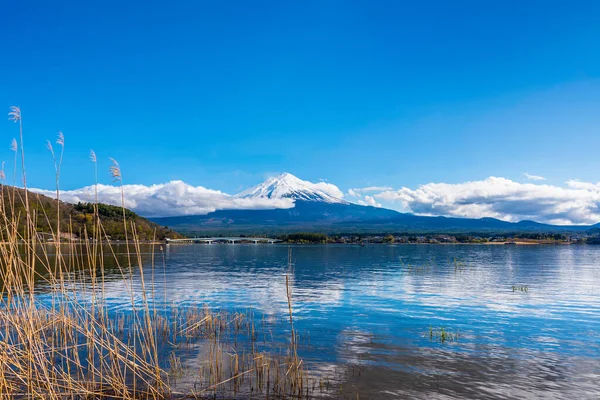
76 219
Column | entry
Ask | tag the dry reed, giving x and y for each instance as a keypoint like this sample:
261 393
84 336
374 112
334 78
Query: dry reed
59 338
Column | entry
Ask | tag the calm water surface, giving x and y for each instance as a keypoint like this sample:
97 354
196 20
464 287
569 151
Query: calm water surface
364 313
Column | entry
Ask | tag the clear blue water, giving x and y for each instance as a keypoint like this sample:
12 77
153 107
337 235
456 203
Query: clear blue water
370 309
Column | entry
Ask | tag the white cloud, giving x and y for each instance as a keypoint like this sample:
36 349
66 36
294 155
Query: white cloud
168 199
534 177
328 188
357 192
575 184
577 203
369 201
366 200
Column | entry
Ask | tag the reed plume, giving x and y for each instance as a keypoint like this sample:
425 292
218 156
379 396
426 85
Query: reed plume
115 171
14 114
94 159
57 165
14 148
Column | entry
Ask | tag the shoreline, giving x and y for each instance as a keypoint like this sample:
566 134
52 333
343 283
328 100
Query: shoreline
161 242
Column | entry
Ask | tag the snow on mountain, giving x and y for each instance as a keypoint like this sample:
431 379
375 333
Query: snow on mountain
287 185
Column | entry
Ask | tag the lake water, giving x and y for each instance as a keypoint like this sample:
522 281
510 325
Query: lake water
524 321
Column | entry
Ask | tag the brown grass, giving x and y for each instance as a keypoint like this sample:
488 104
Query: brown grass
59 340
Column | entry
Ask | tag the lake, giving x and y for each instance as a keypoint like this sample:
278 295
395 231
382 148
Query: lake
403 321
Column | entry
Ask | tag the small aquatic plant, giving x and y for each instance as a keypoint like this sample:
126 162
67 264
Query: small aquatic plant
443 335
458 265
416 269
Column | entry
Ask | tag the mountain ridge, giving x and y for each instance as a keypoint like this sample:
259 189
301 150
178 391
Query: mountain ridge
316 210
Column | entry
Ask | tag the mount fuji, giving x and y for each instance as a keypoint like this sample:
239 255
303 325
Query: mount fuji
287 185
316 206
319 207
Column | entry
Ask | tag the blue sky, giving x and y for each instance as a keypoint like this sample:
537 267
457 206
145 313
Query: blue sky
222 94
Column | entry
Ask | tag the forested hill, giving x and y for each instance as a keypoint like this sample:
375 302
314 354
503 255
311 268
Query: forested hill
77 218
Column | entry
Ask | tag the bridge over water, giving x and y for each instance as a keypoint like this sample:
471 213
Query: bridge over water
211 240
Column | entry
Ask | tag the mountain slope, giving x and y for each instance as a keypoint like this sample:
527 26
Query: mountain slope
77 218
307 214
351 218
317 210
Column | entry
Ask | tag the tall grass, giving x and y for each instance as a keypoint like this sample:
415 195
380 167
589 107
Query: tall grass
58 338
61 341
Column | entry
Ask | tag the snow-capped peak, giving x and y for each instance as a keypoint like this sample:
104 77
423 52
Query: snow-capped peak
287 185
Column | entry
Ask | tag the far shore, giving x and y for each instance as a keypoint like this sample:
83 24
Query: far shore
162 242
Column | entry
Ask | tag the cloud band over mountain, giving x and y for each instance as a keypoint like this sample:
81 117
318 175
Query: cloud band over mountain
574 203
168 199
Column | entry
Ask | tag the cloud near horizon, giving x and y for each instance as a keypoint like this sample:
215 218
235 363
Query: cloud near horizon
577 203
328 188
534 177
168 199
366 200
369 201
574 203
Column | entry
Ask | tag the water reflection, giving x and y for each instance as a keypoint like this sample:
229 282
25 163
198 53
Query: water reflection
364 312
